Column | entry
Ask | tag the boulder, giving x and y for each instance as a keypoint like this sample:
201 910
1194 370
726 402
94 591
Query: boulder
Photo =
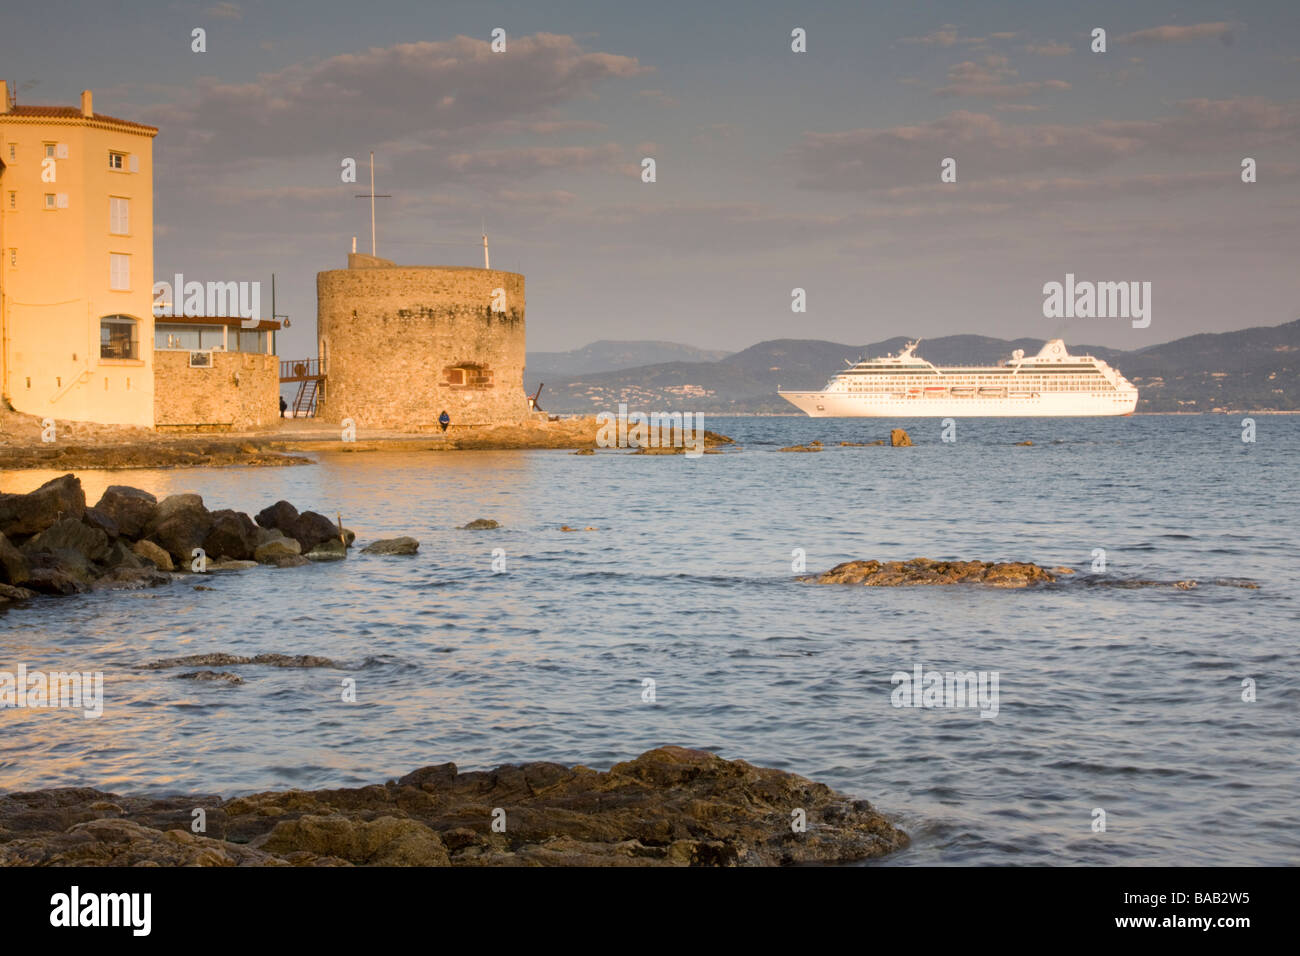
230 564
401 545
1010 574
387 841
101 520
130 579
153 554
289 561
280 516
233 535
177 504
312 529
899 438
14 566
120 555
70 534
481 524
35 511
180 525
130 508
331 550
277 547
11 592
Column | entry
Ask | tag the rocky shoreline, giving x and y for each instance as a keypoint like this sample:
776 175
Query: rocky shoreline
52 543
668 807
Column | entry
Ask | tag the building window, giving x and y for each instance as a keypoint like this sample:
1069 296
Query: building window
252 341
468 375
117 160
12 150
13 200
49 150
187 338
119 215
13 257
49 200
119 272
117 337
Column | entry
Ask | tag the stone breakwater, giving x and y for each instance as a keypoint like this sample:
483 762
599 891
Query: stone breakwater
668 807
51 542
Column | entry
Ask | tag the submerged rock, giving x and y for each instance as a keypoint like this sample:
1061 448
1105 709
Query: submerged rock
226 660
668 807
330 550
401 545
1011 574
808 447
278 547
225 676
480 524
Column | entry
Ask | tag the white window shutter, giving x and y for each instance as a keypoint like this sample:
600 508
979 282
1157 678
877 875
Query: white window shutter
61 150
62 201
135 163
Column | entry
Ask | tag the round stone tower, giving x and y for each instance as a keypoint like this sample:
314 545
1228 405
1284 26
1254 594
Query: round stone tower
402 344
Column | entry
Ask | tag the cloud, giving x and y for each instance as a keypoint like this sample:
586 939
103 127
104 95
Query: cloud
1049 48
946 36
992 77
533 159
1223 32
424 91
883 158
224 11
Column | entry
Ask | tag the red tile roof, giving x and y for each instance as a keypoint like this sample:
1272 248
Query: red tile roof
73 112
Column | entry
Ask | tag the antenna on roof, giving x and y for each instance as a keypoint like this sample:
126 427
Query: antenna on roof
372 196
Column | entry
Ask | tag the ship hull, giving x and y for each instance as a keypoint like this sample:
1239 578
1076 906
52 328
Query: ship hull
1048 405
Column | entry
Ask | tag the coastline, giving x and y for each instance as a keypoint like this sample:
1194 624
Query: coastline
670 806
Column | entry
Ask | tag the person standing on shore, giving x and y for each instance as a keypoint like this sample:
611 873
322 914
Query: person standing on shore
444 419
283 406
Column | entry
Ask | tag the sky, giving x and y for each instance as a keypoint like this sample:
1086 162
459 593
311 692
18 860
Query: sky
774 169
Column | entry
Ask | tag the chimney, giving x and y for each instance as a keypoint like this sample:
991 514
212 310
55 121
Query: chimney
4 97
87 104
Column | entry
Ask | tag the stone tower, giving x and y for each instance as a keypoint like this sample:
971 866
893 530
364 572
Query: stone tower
401 344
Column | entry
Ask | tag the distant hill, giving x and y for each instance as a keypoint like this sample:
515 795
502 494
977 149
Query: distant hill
607 356
1253 368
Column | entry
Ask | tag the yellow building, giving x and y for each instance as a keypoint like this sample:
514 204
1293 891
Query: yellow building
76 278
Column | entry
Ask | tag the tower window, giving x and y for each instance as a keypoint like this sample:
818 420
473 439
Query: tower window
49 200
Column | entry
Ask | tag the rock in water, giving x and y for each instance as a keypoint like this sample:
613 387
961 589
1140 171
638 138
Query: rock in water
1013 574
401 545
14 566
131 509
279 547
280 516
668 807
70 534
153 553
331 550
35 511
312 530
899 438
481 524
233 535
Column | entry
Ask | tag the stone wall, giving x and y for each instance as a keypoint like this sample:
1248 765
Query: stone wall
401 344
241 390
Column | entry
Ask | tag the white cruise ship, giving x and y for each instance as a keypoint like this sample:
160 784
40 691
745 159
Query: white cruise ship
1051 383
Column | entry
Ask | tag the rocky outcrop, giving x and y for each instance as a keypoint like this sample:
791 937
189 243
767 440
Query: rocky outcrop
130 508
401 545
669 807
32 513
899 438
55 545
480 524
1012 574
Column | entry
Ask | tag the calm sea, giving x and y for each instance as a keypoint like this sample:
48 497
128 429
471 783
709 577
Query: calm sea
1123 700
